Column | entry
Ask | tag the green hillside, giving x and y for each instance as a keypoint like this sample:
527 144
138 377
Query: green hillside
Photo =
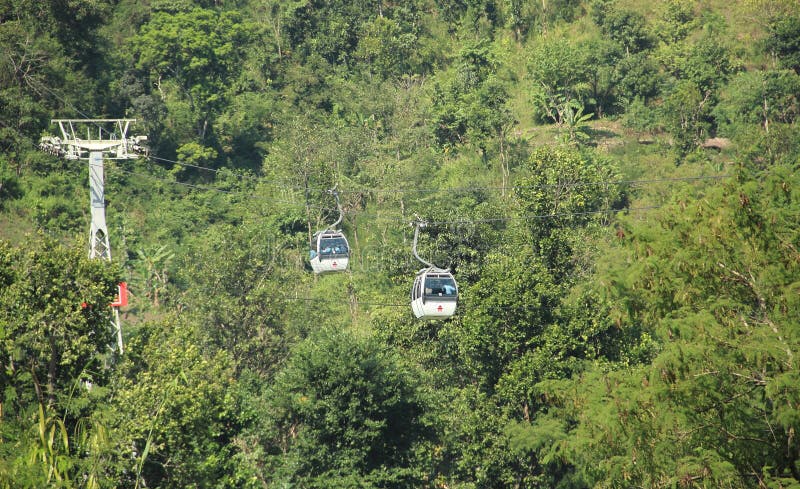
612 183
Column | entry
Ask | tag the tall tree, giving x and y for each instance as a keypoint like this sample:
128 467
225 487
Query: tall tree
55 317
784 41
191 58
55 330
470 104
344 412
172 415
715 284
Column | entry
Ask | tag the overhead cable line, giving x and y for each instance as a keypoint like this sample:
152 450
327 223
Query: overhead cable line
223 191
242 176
406 190
153 157
524 217
642 182
577 183
339 301
176 182
187 165
415 189
544 186
283 184
379 217
56 95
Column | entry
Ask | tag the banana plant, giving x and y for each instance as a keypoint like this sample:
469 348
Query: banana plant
151 268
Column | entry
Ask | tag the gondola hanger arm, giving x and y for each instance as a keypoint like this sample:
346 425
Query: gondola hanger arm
338 206
418 224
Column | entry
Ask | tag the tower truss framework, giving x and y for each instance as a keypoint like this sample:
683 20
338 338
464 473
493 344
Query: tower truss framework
104 139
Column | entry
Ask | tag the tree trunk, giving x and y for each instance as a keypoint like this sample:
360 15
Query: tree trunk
504 170
52 366
36 385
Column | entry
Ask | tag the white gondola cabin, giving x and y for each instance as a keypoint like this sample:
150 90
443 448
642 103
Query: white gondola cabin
434 294
330 252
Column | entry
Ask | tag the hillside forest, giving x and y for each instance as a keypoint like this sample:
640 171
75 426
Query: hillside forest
612 183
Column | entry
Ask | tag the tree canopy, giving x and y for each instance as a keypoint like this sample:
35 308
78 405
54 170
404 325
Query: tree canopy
613 184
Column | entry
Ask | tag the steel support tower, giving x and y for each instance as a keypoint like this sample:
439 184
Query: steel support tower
105 138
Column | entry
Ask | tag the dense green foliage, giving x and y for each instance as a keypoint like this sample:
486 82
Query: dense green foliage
614 184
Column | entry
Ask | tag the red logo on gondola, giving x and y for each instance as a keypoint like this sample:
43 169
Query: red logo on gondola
334 264
439 309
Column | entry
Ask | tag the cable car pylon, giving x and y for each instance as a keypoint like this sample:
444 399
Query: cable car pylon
329 249
113 143
434 294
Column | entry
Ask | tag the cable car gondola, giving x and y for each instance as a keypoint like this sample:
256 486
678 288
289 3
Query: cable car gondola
329 250
434 294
